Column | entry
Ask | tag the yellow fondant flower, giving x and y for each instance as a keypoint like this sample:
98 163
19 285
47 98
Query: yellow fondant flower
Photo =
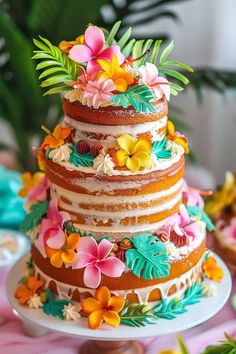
103 308
66 254
112 70
169 351
223 197
30 181
134 154
212 270
177 137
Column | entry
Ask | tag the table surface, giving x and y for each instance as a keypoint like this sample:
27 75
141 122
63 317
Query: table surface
14 341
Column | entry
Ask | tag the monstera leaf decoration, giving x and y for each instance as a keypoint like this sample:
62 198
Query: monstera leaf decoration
149 259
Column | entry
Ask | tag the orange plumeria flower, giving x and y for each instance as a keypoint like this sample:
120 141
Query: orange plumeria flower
103 308
24 292
66 254
112 70
56 138
65 46
134 154
212 270
29 181
174 135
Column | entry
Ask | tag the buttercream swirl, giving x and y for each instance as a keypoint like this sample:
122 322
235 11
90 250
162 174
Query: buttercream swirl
62 153
104 164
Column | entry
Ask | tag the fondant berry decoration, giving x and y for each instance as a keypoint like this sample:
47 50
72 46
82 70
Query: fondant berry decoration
121 255
82 147
95 148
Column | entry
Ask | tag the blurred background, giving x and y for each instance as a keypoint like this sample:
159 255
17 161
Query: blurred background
204 33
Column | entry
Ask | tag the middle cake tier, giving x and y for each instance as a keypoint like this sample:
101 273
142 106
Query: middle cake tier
118 205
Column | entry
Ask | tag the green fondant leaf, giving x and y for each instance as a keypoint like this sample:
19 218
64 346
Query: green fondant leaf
138 96
59 71
77 159
195 210
54 307
136 316
32 219
169 309
149 258
159 149
227 346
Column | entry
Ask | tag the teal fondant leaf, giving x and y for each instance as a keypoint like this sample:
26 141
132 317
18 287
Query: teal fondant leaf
53 306
149 258
170 309
195 210
159 149
77 159
136 316
32 219
138 96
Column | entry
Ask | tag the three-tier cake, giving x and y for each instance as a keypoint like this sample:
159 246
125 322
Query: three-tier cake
114 226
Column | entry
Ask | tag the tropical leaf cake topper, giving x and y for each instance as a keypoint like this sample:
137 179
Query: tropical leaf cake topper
101 69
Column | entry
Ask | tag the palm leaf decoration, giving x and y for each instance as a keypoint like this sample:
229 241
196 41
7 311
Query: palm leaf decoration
159 149
136 315
53 306
149 258
138 96
195 211
169 309
32 219
59 71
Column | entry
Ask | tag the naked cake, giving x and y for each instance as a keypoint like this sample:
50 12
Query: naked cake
114 226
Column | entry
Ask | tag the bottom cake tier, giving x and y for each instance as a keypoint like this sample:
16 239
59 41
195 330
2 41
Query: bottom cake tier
68 282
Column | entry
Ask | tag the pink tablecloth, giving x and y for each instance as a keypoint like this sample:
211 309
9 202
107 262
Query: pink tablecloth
14 341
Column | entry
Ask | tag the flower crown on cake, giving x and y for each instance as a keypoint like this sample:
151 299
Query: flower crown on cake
99 70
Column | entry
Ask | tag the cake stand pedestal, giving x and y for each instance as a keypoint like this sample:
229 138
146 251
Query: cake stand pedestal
121 340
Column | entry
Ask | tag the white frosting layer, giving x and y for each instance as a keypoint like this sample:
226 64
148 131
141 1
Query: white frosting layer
82 129
115 215
65 291
162 165
79 198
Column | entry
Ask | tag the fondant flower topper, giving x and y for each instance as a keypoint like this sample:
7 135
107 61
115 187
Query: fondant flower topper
99 70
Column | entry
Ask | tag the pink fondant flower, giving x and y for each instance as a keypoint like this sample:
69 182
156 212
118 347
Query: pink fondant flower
51 229
229 232
40 191
99 92
149 76
94 258
192 196
182 223
93 49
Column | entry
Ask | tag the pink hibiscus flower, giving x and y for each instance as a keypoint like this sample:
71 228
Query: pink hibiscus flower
51 229
40 191
192 196
229 232
93 49
94 258
182 223
149 76
99 92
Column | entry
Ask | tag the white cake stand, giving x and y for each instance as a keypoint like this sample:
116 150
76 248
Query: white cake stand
119 340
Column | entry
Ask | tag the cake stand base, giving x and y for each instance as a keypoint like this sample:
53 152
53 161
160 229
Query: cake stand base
119 347
120 340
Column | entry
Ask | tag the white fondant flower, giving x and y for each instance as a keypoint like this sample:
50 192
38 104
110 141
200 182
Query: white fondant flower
62 153
35 302
176 149
149 76
75 95
209 288
71 312
104 164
